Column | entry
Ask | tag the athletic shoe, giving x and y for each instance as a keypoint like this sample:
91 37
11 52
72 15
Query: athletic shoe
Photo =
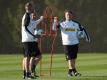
73 72
31 77
27 75
70 74
36 76
77 74
24 74
23 77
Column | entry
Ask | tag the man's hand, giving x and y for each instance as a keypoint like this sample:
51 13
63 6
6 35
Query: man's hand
41 17
37 36
55 19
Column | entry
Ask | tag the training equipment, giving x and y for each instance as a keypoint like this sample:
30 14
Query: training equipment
83 34
38 32
46 26
80 34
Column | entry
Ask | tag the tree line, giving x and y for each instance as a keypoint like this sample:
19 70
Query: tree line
92 14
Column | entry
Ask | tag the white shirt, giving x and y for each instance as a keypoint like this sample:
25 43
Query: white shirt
69 31
26 36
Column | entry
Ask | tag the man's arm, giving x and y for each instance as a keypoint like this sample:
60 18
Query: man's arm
39 20
27 19
26 24
85 33
56 24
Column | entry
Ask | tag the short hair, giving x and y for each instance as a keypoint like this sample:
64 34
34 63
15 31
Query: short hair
68 11
71 12
29 4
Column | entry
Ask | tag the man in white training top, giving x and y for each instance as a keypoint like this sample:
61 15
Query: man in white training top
69 33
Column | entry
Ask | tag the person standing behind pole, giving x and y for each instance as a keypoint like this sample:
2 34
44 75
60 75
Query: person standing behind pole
69 32
25 22
36 54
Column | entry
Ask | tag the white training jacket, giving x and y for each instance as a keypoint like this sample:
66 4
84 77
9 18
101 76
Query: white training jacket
26 36
69 31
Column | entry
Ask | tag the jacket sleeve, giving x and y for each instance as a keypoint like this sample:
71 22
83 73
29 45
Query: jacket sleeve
26 23
55 26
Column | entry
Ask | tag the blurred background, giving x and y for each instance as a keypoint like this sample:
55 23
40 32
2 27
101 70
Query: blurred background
92 14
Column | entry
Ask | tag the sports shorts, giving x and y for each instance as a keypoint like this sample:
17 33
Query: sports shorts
31 49
71 51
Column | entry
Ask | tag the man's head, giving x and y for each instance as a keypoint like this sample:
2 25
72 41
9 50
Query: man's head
68 15
29 7
34 15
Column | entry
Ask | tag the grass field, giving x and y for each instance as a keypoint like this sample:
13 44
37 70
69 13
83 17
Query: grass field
92 67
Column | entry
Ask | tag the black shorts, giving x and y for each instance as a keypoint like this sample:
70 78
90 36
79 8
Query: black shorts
71 51
31 49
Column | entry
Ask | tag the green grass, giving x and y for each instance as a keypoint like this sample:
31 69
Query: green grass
92 67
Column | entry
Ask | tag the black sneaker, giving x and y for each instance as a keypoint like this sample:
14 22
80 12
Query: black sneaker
24 77
32 76
27 76
77 74
36 76
73 72
70 74
24 74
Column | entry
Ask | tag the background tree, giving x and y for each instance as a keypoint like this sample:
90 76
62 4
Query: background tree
91 13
